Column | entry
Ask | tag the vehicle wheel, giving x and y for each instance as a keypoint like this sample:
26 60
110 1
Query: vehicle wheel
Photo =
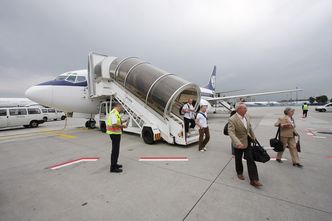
45 119
91 124
323 110
33 124
102 126
26 126
147 135
63 117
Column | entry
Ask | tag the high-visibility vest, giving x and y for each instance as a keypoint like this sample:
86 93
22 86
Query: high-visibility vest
305 107
114 130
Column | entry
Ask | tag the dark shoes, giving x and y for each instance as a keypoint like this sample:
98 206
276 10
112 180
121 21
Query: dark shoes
256 183
279 160
241 177
116 169
118 166
297 165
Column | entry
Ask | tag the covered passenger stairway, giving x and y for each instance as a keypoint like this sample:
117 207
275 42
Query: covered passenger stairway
150 96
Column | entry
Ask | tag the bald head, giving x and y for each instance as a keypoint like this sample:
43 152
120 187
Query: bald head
241 108
190 101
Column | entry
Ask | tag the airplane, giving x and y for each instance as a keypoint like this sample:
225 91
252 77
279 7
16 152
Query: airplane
216 99
16 102
69 92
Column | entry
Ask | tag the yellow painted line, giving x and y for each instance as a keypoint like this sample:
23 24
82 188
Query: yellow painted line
62 135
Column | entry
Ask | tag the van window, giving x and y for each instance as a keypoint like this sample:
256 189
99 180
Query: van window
51 111
44 110
3 112
33 111
15 112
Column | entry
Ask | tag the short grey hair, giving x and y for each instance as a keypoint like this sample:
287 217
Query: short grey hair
239 104
287 110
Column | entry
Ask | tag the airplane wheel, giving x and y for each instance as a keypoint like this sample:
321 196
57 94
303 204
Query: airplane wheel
102 126
147 135
91 124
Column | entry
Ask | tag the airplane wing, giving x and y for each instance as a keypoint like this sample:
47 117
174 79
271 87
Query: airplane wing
251 95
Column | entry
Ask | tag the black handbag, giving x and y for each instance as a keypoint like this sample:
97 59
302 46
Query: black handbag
226 130
276 143
259 153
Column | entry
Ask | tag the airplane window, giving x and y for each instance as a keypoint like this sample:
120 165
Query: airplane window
62 76
33 111
3 112
80 79
71 78
14 112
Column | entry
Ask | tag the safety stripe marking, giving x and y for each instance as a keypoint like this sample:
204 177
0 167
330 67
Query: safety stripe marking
71 162
163 159
271 159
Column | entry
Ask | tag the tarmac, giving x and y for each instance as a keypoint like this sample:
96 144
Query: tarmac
37 184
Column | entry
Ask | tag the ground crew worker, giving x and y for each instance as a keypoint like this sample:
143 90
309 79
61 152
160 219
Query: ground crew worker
305 108
114 129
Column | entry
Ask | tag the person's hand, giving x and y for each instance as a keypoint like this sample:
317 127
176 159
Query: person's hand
240 146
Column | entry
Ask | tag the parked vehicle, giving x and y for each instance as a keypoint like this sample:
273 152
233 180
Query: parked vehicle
20 116
326 107
50 114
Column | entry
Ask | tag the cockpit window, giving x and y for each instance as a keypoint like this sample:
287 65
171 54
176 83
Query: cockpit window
61 77
71 78
80 79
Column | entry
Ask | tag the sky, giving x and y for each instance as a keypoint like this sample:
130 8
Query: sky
257 45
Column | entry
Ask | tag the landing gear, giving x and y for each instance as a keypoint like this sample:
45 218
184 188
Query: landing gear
91 124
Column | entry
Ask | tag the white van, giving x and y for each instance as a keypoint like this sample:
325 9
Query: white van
50 114
326 107
20 116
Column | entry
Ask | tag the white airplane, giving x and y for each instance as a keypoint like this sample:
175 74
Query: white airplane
213 98
16 102
69 92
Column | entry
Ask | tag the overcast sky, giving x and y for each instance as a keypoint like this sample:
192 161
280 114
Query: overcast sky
256 45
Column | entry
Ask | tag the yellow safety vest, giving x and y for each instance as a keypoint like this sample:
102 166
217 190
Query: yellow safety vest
114 130
305 107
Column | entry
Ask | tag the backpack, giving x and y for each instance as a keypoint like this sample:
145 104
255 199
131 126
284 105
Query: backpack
181 109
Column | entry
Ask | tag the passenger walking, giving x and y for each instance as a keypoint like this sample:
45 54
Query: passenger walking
232 146
305 109
202 123
114 129
241 134
287 136
189 121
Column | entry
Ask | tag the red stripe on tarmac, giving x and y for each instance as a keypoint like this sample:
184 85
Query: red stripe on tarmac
73 161
330 157
163 158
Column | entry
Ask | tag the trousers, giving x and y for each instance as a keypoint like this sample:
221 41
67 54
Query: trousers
187 122
290 142
116 138
251 165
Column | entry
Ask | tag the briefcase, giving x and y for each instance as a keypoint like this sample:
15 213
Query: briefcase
276 143
259 153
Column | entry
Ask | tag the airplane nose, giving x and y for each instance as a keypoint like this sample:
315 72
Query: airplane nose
40 94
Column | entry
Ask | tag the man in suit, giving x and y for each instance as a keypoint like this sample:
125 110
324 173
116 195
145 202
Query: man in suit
241 134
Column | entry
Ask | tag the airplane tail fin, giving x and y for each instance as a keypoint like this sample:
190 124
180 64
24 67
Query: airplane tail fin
212 82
